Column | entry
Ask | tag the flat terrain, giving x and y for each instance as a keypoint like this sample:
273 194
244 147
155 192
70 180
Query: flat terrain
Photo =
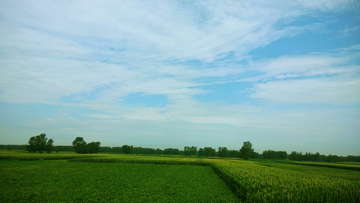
62 181
70 177
323 171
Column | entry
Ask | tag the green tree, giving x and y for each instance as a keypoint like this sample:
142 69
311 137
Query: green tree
223 152
93 147
190 150
193 150
40 143
127 149
208 151
186 150
32 145
49 146
79 145
201 152
158 151
246 150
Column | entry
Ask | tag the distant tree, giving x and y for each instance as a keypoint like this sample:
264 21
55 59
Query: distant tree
317 156
49 146
234 153
127 149
271 154
40 143
186 150
208 151
79 145
201 152
190 150
223 152
293 155
105 149
171 151
68 148
93 147
32 147
158 151
116 149
246 150
193 150
255 155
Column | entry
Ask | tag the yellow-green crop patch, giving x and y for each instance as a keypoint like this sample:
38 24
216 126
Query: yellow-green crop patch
348 166
61 181
256 183
312 169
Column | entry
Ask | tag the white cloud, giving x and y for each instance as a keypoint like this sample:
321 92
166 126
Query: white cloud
52 50
319 78
311 91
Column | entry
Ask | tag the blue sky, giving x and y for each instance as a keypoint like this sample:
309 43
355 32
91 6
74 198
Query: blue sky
284 75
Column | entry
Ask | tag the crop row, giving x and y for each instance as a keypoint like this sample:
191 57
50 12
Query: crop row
341 166
255 183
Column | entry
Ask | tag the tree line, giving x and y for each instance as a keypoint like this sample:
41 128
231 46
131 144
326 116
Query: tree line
42 144
245 152
308 156
81 147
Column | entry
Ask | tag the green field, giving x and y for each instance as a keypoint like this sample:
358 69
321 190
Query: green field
61 181
68 177
315 169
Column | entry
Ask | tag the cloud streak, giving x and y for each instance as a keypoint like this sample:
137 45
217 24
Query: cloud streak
75 56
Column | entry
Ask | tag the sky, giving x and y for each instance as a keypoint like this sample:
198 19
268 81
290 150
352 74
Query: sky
282 74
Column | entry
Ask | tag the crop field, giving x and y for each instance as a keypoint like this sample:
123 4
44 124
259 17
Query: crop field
329 165
61 181
133 178
256 183
340 172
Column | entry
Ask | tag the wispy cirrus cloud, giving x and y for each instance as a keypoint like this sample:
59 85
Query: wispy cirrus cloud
89 58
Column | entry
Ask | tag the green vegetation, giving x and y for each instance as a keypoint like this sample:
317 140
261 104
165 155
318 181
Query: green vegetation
256 183
81 147
40 144
332 165
61 181
246 150
21 155
313 169
127 178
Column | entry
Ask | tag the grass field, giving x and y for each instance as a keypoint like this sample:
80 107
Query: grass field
133 178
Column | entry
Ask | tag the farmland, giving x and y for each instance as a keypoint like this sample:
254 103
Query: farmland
60 181
131 178
314 168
